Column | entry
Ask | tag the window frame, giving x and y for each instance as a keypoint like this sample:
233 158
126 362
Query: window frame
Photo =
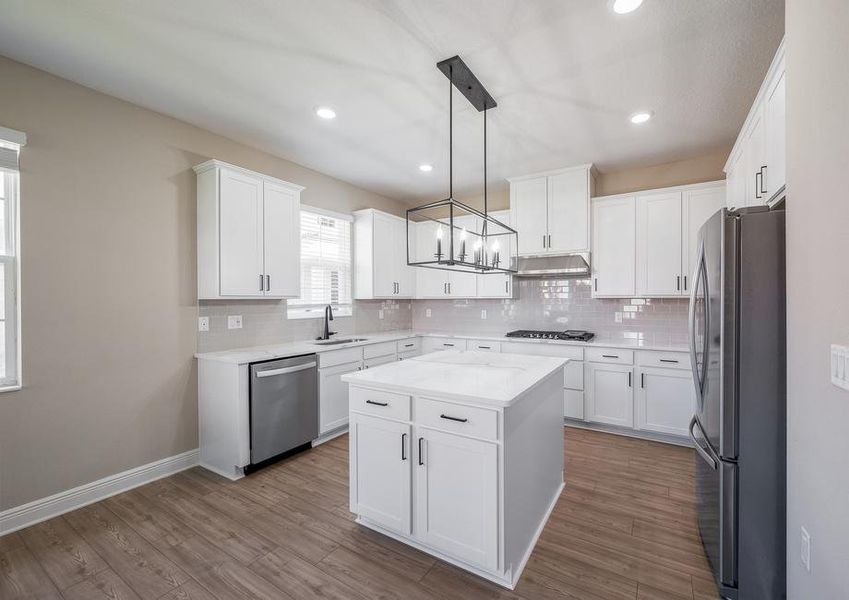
316 311
12 380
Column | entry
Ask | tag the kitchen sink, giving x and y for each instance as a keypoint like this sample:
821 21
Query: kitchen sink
335 342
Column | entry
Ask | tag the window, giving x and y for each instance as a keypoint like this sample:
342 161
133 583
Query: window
325 265
9 305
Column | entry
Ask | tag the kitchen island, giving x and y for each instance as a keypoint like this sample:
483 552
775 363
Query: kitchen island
459 454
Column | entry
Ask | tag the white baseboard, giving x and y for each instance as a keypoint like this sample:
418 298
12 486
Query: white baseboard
326 437
37 511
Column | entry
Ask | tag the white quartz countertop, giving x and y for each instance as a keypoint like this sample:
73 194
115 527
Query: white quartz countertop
284 350
481 377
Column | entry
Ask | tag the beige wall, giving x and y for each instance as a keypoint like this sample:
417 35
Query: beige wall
108 281
693 170
817 294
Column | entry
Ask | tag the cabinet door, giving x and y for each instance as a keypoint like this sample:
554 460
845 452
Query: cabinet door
380 477
384 255
456 496
755 160
462 285
333 395
614 245
775 175
530 214
430 283
735 183
240 231
495 286
665 401
568 211
404 275
697 206
658 260
609 394
281 233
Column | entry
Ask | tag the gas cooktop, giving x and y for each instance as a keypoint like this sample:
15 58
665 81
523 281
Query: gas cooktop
569 334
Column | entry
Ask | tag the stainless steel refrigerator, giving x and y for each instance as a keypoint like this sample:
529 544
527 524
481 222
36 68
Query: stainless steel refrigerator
737 346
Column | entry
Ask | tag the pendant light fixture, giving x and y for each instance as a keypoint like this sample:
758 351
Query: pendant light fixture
448 234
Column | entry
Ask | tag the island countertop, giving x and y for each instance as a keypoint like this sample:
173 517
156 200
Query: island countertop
488 378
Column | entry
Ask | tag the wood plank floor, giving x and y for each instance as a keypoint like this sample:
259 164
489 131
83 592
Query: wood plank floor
624 529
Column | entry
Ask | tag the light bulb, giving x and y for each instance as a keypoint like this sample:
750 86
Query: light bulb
439 233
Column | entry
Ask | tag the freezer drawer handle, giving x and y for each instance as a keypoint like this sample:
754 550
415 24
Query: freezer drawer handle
283 371
450 418
376 403
702 452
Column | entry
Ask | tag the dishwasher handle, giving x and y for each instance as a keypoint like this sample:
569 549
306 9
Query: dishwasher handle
283 371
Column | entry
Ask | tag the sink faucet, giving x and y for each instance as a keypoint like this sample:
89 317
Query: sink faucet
328 316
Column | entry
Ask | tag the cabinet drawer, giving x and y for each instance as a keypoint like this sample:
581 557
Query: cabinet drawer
468 420
573 376
408 345
483 346
573 404
382 349
339 357
610 355
408 354
543 349
380 403
665 360
436 343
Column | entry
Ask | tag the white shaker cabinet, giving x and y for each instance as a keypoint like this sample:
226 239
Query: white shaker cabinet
665 400
529 206
658 254
614 246
609 394
697 206
775 121
333 395
380 256
248 234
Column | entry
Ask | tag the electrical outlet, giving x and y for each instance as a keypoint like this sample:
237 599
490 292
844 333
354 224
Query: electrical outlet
380 314
483 313
234 321
805 550
203 323
427 313
840 366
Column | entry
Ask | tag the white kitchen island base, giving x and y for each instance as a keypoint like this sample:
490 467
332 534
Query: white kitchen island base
459 454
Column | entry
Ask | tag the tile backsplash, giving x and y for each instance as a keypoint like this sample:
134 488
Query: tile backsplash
558 304
265 322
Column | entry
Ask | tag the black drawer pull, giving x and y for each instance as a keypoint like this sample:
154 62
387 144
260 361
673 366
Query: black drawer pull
459 420
408 345
609 356
449 345
668 360
376 403
485 347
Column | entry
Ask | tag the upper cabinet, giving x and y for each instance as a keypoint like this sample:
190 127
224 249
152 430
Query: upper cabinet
248 230
755 171
644 243
380 243
551 211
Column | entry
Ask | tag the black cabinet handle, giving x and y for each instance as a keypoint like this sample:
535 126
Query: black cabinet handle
595 283
268 283
678 283
610 356
448 345
757 185
403 446
668 360
261 283
629 378
450 418
685 283
507 287
408 345
375 402
763 176
485 347
642 380
421 462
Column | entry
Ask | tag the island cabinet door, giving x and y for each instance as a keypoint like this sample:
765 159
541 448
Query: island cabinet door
380 462
456 496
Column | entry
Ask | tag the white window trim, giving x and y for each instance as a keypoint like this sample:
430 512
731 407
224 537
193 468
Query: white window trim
14 139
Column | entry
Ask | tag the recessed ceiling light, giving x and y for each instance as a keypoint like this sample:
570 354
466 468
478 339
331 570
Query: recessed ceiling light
625 6
641 117
325 112
425 168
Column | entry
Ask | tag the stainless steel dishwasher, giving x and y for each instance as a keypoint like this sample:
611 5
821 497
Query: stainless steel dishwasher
283 405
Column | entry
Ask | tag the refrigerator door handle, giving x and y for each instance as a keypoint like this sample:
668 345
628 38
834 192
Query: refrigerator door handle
691 333
710 460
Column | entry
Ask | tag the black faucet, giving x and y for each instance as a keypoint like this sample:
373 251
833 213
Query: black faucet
328 316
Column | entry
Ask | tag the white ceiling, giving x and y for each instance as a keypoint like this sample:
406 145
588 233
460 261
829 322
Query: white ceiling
565 73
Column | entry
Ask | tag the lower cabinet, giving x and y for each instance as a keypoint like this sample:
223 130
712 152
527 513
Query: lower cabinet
333 395
456 496
610 394
665 400
380 471
573 404
378 360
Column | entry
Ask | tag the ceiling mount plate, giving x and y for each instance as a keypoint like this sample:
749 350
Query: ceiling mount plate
464 80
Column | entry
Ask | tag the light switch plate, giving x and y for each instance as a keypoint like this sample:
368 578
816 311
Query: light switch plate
234 321
840 366
203 323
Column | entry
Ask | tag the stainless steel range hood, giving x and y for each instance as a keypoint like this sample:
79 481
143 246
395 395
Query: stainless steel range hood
566 265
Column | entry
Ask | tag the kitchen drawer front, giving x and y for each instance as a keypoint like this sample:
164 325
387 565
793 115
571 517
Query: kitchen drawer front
408 354
573 404
432 344
458 418
543 349
339 357
382 349
664 360
610 355
380 403
409 345
483 346
573 376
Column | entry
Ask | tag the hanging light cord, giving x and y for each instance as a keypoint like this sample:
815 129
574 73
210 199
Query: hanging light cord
451 132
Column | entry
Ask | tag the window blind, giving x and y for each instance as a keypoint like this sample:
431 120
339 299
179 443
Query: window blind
325 263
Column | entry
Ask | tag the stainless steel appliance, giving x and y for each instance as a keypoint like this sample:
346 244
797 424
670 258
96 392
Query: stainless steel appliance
569 334
283 406
737 346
